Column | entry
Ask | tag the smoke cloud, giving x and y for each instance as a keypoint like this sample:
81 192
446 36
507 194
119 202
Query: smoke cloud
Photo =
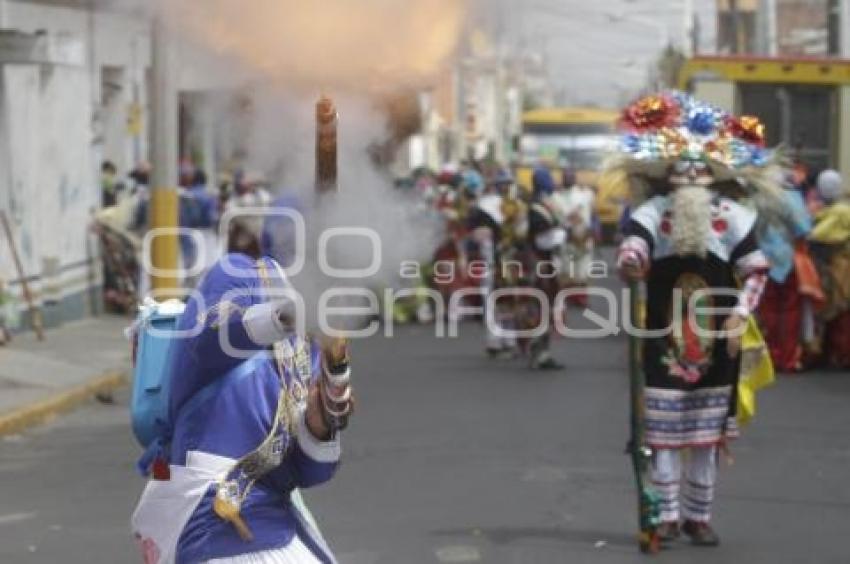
282 54
281 142
333 44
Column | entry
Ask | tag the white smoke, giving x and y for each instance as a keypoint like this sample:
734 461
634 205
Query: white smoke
281 140
280 55
359 45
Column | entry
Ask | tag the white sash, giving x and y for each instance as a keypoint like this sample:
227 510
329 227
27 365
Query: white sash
166 505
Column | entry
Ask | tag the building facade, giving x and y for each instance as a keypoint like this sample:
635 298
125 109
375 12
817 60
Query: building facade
73 92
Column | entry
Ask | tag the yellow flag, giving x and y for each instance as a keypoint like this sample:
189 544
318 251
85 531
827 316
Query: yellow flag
756 371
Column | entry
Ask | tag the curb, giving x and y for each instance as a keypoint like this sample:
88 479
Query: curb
43 411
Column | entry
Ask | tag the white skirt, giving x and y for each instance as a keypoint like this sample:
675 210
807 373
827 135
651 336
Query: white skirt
296 552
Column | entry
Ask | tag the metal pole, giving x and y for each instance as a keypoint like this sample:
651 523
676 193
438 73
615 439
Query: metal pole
768 21
163 203
844 28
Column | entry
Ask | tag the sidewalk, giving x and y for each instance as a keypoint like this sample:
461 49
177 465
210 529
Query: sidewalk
39 380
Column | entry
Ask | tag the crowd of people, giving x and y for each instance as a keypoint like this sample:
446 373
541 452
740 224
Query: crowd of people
124 219
503 241
804 311
501 235
497 231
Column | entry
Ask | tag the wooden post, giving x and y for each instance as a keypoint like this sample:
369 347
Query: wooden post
326 146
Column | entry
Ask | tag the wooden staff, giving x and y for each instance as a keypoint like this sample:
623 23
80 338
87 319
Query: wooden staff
326 169
35 313
649 503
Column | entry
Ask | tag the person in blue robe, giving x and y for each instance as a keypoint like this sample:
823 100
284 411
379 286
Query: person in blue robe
257 409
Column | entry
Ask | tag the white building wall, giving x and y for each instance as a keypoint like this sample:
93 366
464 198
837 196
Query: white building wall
20 166
53 136
59 122
112 40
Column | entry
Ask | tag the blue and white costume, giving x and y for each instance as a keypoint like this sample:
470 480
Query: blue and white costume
223 408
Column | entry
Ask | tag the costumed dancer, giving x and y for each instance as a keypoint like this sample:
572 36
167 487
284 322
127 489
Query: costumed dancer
830 239
510 271
449 261
690 240
546 238
246 433
470 189
793 291
574 205
450 257
488 223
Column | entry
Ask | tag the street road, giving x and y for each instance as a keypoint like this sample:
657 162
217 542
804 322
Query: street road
453 457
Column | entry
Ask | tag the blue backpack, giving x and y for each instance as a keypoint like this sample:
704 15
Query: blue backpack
151 381
150 400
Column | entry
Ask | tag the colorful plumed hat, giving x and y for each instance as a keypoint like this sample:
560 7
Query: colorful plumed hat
672 125
660 129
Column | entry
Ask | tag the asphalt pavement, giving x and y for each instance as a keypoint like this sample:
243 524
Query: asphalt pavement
453 457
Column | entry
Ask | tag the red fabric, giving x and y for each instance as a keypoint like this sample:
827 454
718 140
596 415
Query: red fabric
160 470
780 314
838 341
807 275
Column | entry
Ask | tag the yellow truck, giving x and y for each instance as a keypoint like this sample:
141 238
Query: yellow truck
575 138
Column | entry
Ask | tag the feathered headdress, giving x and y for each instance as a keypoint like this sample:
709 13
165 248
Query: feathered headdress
660 129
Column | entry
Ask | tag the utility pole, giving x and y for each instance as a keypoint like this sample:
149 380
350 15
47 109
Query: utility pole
767 34
838 28
163 202
844 28
833 28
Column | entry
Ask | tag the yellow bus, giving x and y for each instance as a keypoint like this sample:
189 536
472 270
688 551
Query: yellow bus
575 138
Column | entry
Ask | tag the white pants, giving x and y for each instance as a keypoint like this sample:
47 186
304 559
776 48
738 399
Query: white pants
293 553
699 477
